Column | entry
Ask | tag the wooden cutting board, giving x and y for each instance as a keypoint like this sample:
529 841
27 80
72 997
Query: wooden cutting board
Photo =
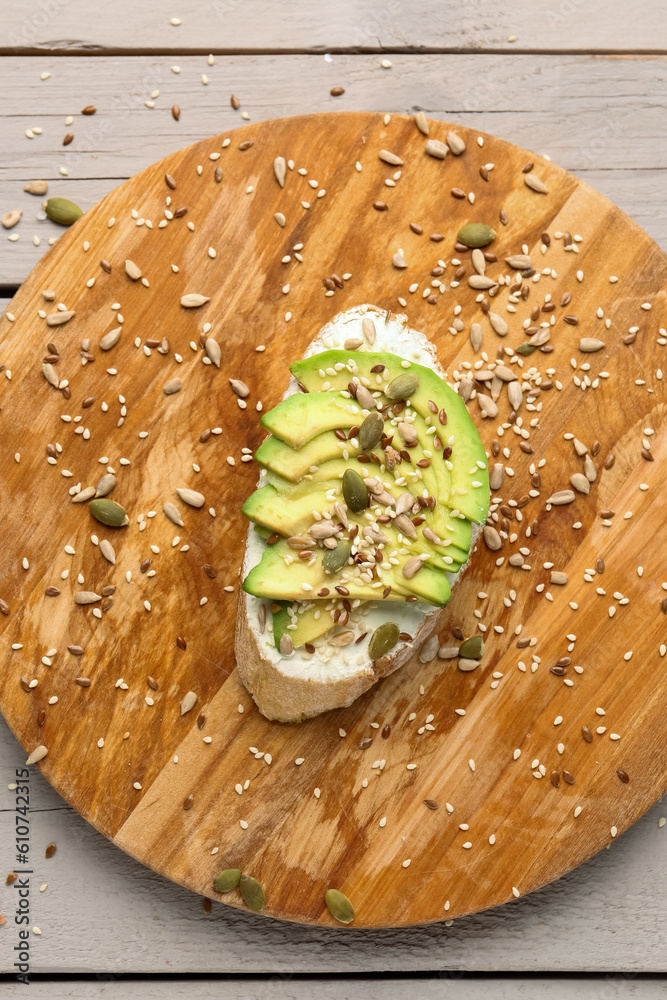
155 762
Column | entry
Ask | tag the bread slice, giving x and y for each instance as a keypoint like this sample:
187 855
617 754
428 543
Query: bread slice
296 687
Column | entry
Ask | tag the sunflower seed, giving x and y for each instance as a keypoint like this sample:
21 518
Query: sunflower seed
399 261
107 550
342 639
339 906
50 374
535 183
174 385
188 702
436 149
429 650
481 281
132 270
110 339
240 388
498 324
191 497
365 399
421 121
58 318
193 300
403 524
496 476
279 169
467 665
519 261
87 494
580 483
39 753
286 645
105 485
589 469
388 157
36 187
86 597
561 497
558 579
173 513
476 337
515 395
589 345
368 327
455 143
487 405
212 348
412 567
478 260
403 503
280 218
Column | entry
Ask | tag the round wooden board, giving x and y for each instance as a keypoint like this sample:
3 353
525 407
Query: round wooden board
297 844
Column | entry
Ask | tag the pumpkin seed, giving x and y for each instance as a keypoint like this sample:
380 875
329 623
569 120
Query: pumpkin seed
62 211
193 300
476 234
473 648
279 170
383 639
108 512
355 491
252 893
525 350
371 430
402 387
36 187
335 559
339 906
227 880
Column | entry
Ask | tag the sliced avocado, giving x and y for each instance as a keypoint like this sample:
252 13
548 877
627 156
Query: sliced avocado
290 513
311 623
271 576
278 457
468 459
302 416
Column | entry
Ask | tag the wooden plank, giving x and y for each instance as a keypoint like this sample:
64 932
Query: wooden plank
232 26
104 912
288 988
561 108
538 837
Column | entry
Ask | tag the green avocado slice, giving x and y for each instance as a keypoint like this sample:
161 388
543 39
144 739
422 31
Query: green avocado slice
271 576
303 416
468 461
311 623
277 456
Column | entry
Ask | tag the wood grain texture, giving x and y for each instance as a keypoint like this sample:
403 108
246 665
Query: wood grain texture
99 899
229 26
562 107
296 844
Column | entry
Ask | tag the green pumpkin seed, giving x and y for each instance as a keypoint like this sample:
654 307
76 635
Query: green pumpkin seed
476 234
335 559
371 431
526 349
402 387
108 512
252 893
339 906
383 639
473 648
355 491
62 211
227 880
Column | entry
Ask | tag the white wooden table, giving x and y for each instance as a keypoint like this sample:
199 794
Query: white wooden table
583 81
